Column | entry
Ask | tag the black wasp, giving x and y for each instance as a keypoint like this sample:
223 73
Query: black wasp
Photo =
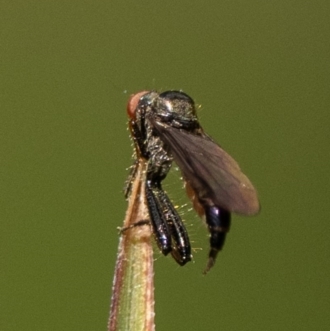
165 127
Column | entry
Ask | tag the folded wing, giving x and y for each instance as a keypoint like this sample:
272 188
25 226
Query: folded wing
212 173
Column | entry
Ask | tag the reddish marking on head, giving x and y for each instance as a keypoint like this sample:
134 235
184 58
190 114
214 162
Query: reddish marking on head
133 102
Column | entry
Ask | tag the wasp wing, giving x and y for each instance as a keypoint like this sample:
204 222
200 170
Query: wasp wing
212 173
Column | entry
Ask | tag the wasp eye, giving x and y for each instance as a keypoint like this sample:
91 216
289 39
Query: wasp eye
133 103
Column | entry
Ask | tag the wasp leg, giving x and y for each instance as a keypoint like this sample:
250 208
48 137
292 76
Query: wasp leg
139 223
159 224
218 221
132 173
181 250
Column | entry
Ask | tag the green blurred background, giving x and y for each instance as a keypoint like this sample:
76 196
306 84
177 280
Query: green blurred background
260 70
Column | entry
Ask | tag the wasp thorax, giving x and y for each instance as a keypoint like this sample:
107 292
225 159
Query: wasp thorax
179 103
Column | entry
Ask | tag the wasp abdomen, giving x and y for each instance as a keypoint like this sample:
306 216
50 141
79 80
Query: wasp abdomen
218 222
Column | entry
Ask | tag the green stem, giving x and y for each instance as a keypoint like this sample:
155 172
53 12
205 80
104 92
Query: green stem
132 303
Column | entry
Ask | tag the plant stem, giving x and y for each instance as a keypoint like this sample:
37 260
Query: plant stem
132 302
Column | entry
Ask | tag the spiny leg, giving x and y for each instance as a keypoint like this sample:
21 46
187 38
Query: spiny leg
159 224
132 173
181 250
134 225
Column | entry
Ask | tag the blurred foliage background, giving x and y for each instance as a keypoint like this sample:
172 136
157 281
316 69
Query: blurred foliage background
260 71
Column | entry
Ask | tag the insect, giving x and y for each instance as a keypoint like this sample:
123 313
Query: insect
165 128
